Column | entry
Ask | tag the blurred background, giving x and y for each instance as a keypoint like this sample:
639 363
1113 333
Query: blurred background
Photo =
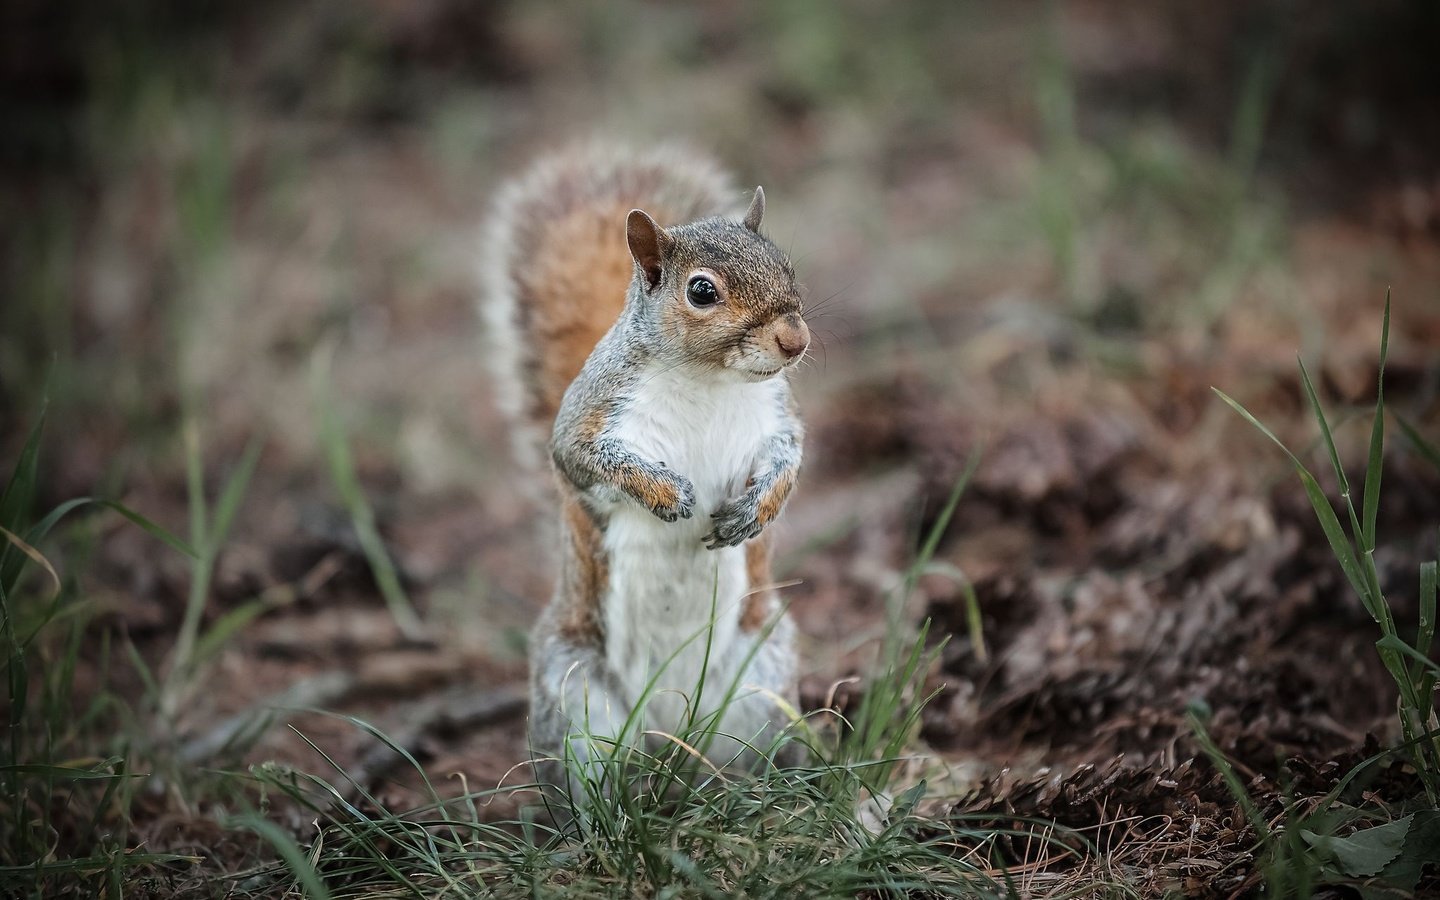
237 234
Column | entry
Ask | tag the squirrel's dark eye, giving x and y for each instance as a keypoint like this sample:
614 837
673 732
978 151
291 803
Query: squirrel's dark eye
701 291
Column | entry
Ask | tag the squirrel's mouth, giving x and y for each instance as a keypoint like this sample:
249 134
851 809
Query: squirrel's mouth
758 366
764 374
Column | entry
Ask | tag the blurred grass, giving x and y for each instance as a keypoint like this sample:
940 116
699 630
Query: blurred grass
1408 663
213 171
208 533
63 766
1296 856
342 474
232 194
1145 192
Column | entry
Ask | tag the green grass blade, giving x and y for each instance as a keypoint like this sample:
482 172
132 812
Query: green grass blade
973 621
396 748
38 532
1427 607
103 807
290 852
896 601
195 485
210 536
142 668
1232 778
360 789
1394 644
228 625
1373 467
16 673
1339 543
1259 426
154 530
20 489
233 495
1426 449
1360 569
362 517
1426 633
91 865
16 500
383 568
1329 439
942 522
68 773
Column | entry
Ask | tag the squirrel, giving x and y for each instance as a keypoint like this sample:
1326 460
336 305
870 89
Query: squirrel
655 358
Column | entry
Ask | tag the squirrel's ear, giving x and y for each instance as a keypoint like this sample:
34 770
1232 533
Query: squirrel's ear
756 212
649 244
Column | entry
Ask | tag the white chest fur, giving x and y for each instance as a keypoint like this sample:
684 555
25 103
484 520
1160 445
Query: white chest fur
665 588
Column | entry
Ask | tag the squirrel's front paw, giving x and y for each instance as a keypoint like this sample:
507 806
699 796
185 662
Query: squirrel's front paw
669 496
736 521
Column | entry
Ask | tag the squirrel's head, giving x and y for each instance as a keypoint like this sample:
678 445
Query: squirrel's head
719 293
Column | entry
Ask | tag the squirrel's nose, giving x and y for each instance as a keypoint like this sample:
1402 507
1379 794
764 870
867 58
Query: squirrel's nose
792 336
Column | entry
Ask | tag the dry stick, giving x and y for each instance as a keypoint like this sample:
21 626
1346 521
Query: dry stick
458 709
317 690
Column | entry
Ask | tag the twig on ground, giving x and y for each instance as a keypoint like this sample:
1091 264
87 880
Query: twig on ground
459 709
317 690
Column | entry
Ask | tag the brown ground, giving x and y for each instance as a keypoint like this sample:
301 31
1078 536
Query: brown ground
1134 545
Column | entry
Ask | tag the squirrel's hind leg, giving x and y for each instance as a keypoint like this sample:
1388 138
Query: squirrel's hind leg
759 714
575 718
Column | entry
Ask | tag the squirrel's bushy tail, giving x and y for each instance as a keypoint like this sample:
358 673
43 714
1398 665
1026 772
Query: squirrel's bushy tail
554 266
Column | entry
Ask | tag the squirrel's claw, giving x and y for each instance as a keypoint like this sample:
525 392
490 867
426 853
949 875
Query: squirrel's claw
735 523
684 505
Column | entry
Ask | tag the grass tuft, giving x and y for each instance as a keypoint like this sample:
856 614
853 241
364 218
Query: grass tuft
64 820
1410 668
342 473
658 819
1295 863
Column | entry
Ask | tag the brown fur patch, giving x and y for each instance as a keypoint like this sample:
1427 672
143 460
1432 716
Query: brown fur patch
572 290
758 605
585 574
774 499
652 492
569 261
592 423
